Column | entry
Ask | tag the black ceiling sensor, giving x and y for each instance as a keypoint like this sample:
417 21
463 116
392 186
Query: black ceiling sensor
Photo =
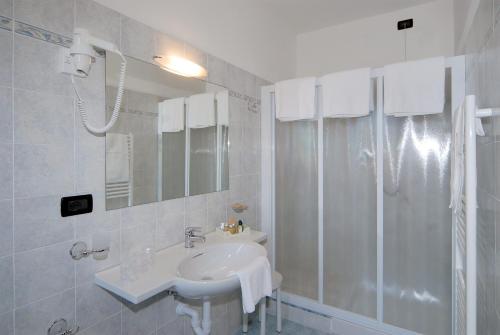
405 24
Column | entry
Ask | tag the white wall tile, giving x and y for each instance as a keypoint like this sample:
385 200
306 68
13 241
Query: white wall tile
138 215
100 220
136 242
137 40
53 15
44 169
101 21
5 114
6 284
215 216
6 171
173 328
171 207
6 58
35 319
94 304
6 8
482 24
6 226
166 306
217 71
7 323
42 118
43 272
38 223
110 326
36 66
139 319
234 164
236 79
197 218
168 45
217 199
170 230
197 202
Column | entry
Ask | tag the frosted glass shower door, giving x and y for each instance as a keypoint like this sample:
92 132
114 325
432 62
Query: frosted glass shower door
418 223
350 214
296 221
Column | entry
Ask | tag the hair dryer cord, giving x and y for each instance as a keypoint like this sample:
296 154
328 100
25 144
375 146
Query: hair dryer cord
80 103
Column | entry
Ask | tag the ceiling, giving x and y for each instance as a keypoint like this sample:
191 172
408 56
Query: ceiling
308 15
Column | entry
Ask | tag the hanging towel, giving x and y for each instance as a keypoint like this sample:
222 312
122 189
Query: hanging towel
222 99
201 110
256 283
171 115
457 177
414 88
295 99
457 160
117 158
346 94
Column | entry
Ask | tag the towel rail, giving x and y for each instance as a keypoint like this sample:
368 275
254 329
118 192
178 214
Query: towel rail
487 112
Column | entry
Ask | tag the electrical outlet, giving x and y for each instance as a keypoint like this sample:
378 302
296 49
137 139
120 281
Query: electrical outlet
66 65
405 24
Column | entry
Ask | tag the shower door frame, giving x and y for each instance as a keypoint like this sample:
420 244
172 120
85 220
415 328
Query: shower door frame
268 127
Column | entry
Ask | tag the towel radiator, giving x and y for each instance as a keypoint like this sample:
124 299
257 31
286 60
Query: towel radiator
122 189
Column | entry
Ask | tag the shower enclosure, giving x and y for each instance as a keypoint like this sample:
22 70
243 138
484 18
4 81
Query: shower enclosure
357 211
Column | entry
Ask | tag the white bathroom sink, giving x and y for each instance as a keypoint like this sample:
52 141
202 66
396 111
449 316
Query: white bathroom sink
212 270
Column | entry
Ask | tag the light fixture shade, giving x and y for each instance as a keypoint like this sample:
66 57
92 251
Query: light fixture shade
181 66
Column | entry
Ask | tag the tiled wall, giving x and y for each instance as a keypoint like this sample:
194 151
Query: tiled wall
483 79
45 153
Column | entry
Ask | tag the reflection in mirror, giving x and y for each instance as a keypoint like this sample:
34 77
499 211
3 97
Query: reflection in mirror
171 139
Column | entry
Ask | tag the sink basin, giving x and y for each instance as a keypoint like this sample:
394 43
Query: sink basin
212 270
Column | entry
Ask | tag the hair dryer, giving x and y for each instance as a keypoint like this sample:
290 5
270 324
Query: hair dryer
82 56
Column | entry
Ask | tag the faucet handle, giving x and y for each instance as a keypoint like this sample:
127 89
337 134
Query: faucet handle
191 230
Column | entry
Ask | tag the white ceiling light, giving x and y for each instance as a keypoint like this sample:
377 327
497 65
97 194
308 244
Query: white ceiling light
181 66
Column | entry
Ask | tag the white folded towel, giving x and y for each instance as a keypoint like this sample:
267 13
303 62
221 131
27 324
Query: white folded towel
346 94
171 115
117 158
414 88
222 99
295 99
201 110
256 283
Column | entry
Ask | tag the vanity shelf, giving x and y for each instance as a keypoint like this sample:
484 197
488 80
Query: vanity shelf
162 276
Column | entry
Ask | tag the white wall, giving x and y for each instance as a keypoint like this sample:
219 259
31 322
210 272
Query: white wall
246 37
465 13
375 41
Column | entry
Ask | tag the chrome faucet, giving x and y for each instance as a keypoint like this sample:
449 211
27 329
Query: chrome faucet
190 237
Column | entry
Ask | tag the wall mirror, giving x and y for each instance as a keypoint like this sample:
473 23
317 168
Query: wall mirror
171 139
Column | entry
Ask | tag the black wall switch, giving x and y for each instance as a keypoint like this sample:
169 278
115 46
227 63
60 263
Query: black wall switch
76 205
405 24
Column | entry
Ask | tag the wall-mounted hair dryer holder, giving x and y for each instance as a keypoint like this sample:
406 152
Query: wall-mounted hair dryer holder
77 62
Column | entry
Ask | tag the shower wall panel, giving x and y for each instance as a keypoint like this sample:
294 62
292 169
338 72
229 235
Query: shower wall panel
418 223
350 214
296 224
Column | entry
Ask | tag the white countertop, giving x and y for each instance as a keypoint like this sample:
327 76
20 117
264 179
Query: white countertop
163 274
